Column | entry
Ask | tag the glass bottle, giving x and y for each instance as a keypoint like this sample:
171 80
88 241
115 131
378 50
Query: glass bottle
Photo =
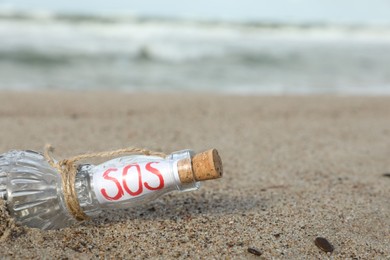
34 195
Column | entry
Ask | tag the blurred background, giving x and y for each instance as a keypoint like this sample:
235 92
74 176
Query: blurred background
242 47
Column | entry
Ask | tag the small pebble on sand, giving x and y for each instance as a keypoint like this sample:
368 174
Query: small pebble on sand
254 251
323 244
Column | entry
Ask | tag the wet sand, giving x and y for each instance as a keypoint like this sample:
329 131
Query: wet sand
296 168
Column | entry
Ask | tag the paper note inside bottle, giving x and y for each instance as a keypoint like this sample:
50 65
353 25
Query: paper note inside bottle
129 178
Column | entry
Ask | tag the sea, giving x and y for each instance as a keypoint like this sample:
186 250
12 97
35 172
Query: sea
46 50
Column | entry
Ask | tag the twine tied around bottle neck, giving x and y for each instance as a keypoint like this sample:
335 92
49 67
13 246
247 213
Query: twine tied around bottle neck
68 170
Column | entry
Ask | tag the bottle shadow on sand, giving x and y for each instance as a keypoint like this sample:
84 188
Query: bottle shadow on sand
176 208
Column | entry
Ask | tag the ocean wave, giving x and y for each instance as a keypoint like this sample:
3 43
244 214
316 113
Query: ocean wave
48 50
29 56
47 36
111 19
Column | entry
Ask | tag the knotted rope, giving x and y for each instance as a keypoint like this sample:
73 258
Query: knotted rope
68 170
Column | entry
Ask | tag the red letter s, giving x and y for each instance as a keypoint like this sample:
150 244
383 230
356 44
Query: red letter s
157 173
120 191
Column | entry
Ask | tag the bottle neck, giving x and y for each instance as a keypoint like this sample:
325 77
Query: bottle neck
83 187
129 181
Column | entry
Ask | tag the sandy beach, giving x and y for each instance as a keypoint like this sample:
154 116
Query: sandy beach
295 168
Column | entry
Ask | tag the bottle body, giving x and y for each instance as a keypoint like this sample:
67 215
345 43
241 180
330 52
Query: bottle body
34 195
129 181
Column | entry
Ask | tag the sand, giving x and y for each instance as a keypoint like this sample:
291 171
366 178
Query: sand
295 168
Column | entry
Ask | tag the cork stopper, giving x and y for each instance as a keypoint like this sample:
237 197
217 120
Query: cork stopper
203 166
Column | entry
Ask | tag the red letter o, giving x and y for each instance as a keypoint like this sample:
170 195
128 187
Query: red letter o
140 188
